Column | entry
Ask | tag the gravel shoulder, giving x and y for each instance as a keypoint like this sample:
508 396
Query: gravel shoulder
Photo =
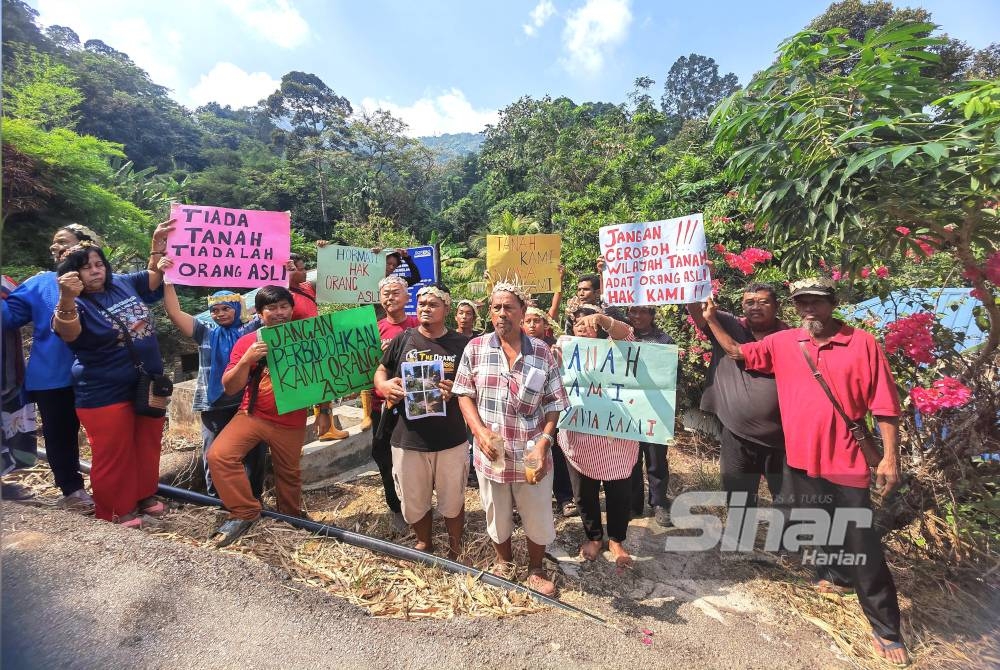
78 593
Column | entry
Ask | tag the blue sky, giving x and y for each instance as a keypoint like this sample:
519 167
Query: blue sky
449 65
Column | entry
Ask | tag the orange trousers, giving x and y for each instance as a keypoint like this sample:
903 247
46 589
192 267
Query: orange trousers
225 460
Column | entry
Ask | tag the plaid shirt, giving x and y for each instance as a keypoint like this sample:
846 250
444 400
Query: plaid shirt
502 397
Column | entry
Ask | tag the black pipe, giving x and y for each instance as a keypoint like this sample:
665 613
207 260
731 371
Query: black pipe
371 543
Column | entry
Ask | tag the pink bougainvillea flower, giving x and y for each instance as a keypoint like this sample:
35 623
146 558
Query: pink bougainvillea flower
903 230
865 273
836 275
882 272
707 357
719 247
992 268
912 337
972 273
944 393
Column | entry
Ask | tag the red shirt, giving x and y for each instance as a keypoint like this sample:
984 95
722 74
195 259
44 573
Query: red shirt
816 438
264 407
388 331
304 296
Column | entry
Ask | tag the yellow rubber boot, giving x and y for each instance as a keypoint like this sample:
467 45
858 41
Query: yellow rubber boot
335 433
366 409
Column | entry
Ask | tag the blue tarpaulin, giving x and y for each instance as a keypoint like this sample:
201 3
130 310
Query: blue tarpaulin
952 307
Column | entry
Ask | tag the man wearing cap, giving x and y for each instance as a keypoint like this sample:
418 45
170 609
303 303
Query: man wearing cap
752 444
429 453
827 469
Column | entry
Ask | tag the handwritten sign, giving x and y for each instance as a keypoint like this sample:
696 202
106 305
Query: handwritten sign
426 261
655 263
215 246
532 259
348 275
621 389
319 359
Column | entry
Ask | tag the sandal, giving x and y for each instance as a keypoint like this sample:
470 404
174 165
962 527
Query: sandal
537 581
827 587
153 507
504 570
231 531
128 521
883 646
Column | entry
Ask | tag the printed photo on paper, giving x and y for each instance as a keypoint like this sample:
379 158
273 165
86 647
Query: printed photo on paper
420 383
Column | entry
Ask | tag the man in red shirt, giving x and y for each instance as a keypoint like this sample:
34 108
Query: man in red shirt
826 467
393 296
257 421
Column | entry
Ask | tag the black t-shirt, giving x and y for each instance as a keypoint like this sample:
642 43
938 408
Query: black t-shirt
745 402
432 433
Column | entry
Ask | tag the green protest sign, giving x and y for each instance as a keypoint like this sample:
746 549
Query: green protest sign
319 359
348 275
621 389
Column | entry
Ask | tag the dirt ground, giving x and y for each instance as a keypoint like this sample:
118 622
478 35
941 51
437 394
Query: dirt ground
283 598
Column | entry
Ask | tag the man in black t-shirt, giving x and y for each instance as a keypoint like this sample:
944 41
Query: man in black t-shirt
429 443
746 403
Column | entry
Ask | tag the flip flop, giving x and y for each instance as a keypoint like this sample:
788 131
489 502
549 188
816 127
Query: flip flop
829 588
156 509
231 531
891 646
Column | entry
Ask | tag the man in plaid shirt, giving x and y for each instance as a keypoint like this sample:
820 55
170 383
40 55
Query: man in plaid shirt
510 379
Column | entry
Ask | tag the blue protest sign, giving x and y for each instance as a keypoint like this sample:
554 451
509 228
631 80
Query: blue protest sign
426 261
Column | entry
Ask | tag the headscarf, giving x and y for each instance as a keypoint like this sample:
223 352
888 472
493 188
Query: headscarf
221 341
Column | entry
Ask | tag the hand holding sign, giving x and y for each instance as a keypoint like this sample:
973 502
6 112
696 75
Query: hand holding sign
655 263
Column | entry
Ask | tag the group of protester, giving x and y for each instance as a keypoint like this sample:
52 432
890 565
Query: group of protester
503 393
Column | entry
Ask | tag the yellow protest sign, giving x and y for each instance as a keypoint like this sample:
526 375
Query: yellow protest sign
532 259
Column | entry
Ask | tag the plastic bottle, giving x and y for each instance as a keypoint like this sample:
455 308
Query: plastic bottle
497 443
532 463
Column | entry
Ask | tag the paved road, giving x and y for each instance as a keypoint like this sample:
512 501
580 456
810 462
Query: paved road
79 593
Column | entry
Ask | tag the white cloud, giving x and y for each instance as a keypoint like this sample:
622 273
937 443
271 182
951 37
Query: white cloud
449 112
132 36
542 12
276 21
592 32
227 84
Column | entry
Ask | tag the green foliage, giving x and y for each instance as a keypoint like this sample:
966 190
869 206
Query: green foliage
40 90
73 167
693 87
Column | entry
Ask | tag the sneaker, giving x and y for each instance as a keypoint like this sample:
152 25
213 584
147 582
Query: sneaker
78 501
662 516
15 491
398 524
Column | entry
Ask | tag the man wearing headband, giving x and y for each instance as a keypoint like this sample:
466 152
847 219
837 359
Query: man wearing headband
510 380
429 453
466 317
827 469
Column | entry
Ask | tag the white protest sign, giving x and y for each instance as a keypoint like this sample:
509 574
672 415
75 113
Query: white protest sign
655 263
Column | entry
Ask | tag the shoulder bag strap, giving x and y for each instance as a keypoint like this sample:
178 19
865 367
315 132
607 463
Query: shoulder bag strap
822 382
125 331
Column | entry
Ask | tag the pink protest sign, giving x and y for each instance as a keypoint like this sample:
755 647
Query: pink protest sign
655 263
215 246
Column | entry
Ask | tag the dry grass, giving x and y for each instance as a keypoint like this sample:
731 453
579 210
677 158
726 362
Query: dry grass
950 618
